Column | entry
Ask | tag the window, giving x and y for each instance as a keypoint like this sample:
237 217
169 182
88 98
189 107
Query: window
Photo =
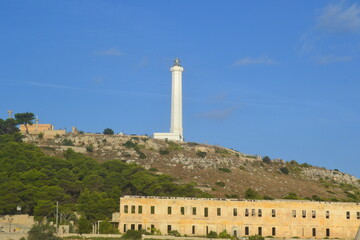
182 210
273 213
328 232
132 209
193 229
207 230
140 209
125 228
139 227
235 212
294 213
152 210
304 213
313 214
194 210
273 231
253 212
169 210
247 232
218 211
347 215
260 231
327 214
126 209
206 212
169 228
152 228
246 212
132 226
314 232
358 215
259 213
235 233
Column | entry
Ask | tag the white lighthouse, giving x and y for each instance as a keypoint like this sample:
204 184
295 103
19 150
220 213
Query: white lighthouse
176 130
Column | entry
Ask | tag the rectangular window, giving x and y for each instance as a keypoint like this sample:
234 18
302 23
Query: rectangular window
169 210
273 213
253 212
347 215
139 227
235 233
327 214
132 209
294 213
169 228
259 213
194 210
313 214
304 213
260 231
247 232
152 209
152 228
273 231
246 212
193 229
235 212
140 209
132 226
206 212
125 228
207 230
126 209
218 211
314 232
328 232
358 215
182 210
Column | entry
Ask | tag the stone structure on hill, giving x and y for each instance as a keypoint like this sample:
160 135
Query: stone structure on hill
276 218
176 130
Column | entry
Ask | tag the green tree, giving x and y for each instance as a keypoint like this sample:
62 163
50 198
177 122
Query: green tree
42 232
25 118
84 225
8 126
108 131
212 234
107 228
224 234
256 237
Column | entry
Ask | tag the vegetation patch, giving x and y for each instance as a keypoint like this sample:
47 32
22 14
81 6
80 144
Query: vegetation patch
225 170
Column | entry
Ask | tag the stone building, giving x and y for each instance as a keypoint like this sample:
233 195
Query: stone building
277 218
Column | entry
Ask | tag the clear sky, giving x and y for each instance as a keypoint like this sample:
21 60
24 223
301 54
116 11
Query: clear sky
278 78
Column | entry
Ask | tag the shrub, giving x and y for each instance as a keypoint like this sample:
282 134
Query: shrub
242 168
221 151
41 135
284 170
251 194
67 142
108 131
256 237
291 195
220 184
266 159
129 144
224 234
42 232
141 155
212 234
266 197
164 151
226 170
132 235
153 169
90 148
174 146
201 154
174 233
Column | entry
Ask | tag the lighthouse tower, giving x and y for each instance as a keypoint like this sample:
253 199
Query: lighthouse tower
176 129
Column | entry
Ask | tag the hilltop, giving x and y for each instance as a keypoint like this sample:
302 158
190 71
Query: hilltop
220 171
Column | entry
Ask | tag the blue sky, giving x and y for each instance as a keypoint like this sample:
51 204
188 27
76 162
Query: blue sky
277 78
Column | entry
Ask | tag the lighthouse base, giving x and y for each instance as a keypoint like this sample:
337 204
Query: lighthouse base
169 136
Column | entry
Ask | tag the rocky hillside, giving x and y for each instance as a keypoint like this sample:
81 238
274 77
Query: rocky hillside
220 171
